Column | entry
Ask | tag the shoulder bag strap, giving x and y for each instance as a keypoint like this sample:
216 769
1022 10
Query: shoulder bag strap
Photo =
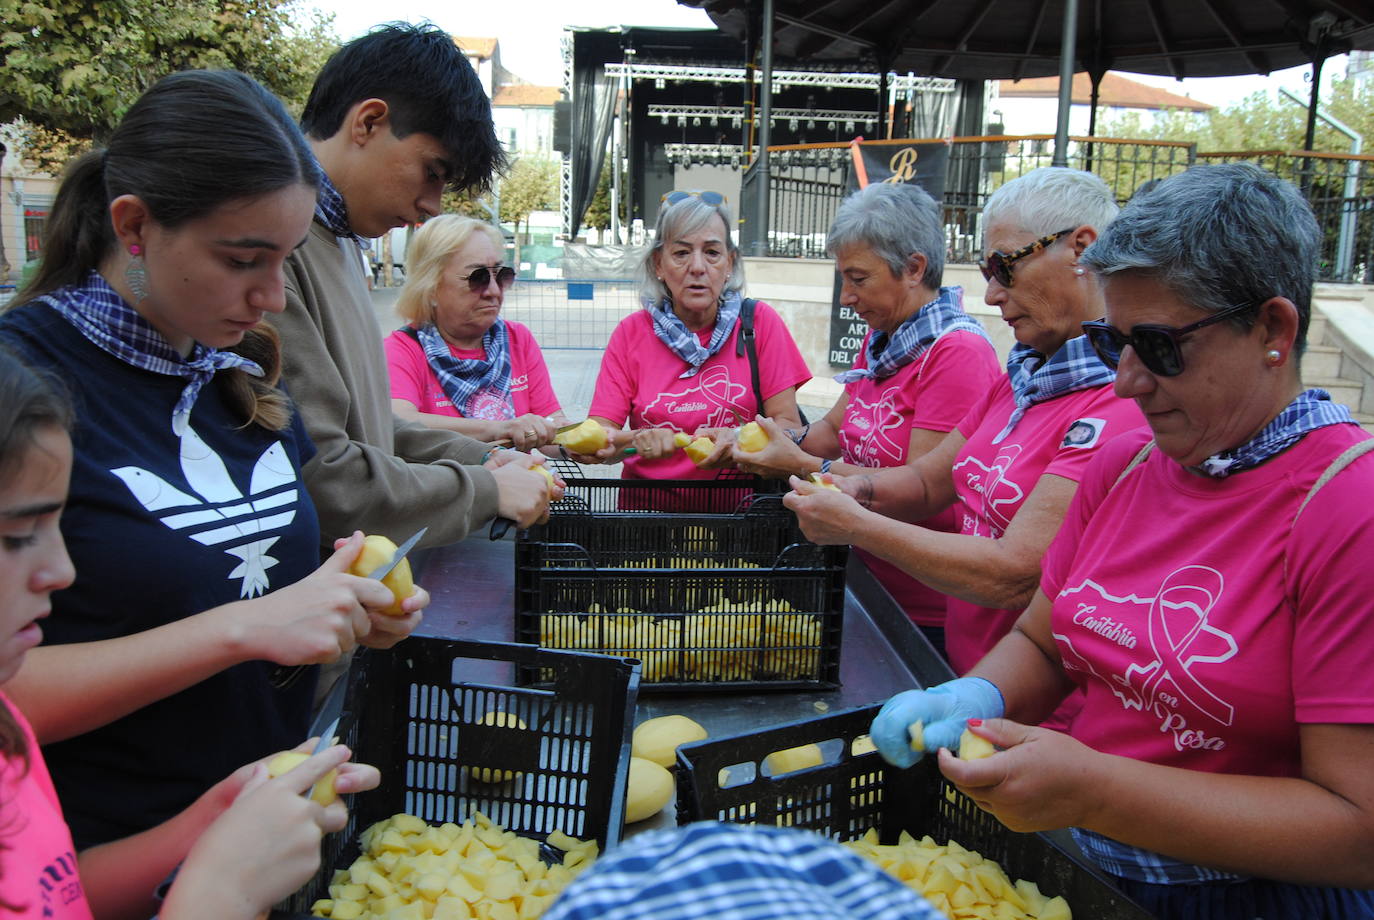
745 344
1351 454
1138 459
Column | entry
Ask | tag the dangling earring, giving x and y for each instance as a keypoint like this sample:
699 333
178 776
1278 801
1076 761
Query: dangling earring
136 274
1273 356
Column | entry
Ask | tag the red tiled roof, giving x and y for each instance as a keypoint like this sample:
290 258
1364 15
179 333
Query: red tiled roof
525 94
1116 91
482 48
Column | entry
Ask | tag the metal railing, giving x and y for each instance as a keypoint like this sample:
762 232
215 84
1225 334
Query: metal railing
571 314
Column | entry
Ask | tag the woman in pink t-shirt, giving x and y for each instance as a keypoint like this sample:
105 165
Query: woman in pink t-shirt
679 365
242 846
1010 466
1209 590
457 364
923 364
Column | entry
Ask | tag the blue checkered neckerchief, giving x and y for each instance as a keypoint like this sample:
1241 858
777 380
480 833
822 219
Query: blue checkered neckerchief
684 343
464 378
888 354
709 870
102 316
1075 366
1311 409
1125 861
331 211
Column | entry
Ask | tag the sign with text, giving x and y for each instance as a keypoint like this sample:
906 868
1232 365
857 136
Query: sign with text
921 163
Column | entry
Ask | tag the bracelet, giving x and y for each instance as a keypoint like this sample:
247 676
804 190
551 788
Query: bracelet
798 434
825 466
486 457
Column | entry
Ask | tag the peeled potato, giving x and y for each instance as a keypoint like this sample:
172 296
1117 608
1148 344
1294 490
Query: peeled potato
650 787
823 483
752 437
377 551
587 438
543 470
793 759
287 761
681 439
699 449
916 731
500 720
658 739
973 747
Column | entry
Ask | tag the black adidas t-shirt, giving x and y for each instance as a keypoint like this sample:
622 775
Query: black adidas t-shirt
161 528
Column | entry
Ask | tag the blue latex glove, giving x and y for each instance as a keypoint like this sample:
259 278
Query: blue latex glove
944 709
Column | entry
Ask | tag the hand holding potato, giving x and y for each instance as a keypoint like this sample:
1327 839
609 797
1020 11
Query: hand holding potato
654 443
770 452
521 497
827 516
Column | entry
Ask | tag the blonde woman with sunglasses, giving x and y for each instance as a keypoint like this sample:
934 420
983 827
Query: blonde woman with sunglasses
1011 465
457 364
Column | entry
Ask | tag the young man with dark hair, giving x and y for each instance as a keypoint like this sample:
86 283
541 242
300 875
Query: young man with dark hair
395 116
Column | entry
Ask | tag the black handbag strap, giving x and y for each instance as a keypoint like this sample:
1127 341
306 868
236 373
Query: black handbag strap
744 343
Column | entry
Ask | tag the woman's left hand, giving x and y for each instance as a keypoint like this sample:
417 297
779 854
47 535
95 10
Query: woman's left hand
826 516
530 431
724 439
1043 779
388 629
779 457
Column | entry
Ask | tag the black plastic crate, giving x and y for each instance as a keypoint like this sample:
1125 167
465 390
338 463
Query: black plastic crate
706 601
849 794
415 712
729 491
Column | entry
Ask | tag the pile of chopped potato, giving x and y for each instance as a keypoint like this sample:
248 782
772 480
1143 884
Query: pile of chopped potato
411 870
960 883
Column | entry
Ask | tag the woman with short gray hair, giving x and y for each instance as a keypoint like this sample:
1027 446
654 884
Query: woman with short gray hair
923 364
1010 466
1209 592
699 358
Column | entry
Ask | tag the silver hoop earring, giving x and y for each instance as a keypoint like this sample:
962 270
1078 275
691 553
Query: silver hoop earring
136 274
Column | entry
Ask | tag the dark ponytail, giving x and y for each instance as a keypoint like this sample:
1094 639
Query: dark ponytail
193 142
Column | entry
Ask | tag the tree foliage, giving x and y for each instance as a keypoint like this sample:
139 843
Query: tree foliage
531 185
71 68
599 211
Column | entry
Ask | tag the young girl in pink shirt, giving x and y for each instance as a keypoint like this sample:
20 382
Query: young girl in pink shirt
245 844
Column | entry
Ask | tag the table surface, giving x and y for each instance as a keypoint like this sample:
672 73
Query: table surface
472 595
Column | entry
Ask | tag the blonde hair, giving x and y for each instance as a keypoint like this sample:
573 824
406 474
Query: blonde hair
427 254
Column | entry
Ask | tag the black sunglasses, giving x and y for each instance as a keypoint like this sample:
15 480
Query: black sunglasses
999 264
1155 345
481 277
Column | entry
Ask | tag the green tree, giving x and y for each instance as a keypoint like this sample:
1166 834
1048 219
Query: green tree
530 185
599 211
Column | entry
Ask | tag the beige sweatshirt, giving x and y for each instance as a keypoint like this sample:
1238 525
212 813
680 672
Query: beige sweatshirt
372 471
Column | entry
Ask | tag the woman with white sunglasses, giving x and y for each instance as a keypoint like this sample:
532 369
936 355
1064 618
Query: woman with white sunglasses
457 364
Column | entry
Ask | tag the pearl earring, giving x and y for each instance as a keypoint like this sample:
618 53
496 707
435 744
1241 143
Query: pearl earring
1078 271
1273 356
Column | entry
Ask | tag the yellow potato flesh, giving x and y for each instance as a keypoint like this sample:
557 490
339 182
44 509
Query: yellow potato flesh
972 747
816 478
377 551
793 759
500 720
658 739
543 470
700 449
587 438
916 731
287 761
649 789
752 437
681 439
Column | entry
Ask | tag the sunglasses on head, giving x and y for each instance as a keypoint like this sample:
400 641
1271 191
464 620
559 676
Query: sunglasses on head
714 199
1155 345
481 277
999 264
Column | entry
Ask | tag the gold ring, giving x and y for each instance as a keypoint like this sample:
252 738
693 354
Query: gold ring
529 433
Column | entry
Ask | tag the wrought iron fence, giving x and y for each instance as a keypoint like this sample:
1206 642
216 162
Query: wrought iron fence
1340 189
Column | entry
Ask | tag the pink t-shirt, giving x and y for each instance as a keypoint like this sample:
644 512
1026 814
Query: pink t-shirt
38 873
1206 626
639 382
414 381
933 392
992 481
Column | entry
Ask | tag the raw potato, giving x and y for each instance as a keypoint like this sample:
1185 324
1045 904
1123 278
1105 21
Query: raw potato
649 789
377 551
681 439
972 747
823 483
410 870
699 449
916 731
958 882
323 791
500 720
658 739
752 438
793 759
544 471
587 438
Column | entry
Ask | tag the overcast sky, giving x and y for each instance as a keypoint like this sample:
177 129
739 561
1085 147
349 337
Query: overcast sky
530 32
